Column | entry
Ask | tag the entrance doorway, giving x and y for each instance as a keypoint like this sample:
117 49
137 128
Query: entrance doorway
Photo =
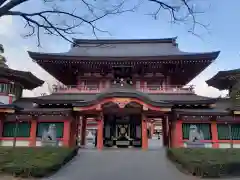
122 131
156 129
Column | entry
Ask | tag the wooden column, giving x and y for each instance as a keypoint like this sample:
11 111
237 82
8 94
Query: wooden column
10 96
144 133
77 129
214 134
169 135
66 133
73 133
178 134
100 134
83 131
152 129
1 125
164 131
33 132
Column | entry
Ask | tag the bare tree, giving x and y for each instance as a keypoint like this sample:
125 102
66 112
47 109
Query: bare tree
44 20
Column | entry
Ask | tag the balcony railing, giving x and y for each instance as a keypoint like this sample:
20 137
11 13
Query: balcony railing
151 89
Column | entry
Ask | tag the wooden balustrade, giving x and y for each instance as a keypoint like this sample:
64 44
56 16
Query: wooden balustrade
148 89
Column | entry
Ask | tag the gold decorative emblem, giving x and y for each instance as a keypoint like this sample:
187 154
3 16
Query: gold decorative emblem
121 102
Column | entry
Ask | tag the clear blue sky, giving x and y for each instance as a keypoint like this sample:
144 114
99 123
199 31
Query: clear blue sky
222 17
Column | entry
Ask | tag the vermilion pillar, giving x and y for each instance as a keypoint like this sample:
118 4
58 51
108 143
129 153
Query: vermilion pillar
33 133
66 133
73 133
178 134
10 96
100 134
144 134
214 134
83 131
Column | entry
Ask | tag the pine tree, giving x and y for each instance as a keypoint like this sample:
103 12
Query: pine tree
2 58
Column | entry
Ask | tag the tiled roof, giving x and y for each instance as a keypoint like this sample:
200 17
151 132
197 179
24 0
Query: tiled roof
26 79
221 108
162 48
224 79
84 98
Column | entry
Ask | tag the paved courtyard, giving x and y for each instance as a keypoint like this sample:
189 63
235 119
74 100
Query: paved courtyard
125 164
121 164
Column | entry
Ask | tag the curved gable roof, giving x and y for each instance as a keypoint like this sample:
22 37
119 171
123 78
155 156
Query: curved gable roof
224 79
26 79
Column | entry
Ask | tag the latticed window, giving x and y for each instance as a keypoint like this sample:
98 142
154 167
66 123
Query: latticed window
204 128
45 125
228 131
12 89
23 129
4 88
223 132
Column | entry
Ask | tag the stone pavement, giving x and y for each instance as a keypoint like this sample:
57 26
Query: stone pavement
121 164
124 164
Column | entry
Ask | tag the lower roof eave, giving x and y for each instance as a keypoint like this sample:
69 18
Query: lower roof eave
46 111
86 104
9 106
203 113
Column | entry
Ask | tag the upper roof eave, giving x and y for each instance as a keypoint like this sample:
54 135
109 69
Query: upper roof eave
65 56
120 41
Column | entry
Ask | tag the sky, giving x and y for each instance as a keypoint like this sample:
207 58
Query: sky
221 34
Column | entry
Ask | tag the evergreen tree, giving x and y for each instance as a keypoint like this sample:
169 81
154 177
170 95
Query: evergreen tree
2 58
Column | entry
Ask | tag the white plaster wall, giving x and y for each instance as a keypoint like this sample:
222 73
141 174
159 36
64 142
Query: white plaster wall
228 145
39 143
206 145
224 145
236 145
18 143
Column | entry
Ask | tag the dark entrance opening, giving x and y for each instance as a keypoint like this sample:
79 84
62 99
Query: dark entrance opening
122 131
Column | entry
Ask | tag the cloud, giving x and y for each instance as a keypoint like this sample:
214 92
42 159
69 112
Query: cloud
201 87
204 90
6 24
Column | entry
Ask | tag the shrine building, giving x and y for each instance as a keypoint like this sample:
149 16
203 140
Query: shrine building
124 88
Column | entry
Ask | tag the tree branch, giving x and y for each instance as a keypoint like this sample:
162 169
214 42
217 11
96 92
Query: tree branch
41 20
2 2
177 15
8 6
